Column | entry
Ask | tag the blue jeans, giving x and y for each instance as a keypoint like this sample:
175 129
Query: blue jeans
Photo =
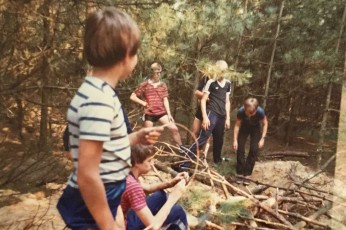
176 219
74 211
217 129
245 165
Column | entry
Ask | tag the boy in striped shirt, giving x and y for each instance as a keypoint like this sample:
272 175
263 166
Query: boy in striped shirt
152 94
99 143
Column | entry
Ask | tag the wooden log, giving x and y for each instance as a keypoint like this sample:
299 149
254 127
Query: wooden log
306 219
314 215
286 154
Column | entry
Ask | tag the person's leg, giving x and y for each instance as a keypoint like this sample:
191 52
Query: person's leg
155 202
242 135
177 215
196 126
202 138
74 211
255 135
218 134
172 127
148 123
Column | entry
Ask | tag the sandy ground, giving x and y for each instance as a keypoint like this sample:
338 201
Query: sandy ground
36 211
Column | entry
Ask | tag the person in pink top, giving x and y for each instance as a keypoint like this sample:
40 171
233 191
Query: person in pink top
159 209
152 94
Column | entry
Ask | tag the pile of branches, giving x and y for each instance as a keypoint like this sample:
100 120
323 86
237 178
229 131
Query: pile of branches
301 205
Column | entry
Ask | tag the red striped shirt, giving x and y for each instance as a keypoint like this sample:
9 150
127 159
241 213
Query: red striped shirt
133 196
153 96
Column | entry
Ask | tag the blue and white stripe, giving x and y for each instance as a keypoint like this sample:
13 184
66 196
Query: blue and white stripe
95 113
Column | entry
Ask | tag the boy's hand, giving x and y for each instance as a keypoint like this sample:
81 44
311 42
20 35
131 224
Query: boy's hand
178 189
170 118
235 145
206 123
149 136
261 143
227 124
183 176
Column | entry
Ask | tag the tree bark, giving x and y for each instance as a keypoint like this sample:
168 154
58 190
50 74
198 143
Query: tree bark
322 132
272 56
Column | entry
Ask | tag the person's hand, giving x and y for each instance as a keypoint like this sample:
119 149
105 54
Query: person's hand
149 136
180 176
178 189
145 105
227 124
261 143
170 118
206 123
235 145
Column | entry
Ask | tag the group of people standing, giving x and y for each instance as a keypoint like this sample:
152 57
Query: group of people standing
104 190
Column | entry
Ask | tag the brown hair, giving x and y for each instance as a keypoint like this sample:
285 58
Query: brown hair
140 153
110 35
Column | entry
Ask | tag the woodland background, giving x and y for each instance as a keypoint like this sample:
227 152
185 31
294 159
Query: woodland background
290 54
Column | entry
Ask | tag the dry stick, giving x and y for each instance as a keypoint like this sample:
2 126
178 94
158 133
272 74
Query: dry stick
245 225
210 224
259 204
265 222
316 214
306 219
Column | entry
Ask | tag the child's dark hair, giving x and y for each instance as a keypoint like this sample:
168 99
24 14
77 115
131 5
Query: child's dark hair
140 153
110 35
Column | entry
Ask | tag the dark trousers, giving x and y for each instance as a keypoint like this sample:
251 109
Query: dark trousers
176 220
217 129
246 165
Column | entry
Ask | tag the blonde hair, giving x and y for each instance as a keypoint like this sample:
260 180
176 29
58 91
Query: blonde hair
250 104
155 67
222 65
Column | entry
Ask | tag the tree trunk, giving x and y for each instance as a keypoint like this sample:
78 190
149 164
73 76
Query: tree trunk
272 56
324 122
45 72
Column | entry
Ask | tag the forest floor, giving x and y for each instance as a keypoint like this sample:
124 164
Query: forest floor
32 181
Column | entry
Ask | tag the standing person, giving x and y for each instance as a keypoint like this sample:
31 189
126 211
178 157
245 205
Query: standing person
100 145
152 94
158 209
248 123
216 107
197 122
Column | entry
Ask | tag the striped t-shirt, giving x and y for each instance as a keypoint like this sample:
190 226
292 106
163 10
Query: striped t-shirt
95 113
133 196
153 94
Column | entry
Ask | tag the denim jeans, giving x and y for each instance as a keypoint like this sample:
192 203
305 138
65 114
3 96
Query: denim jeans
176 219
217 129
245 165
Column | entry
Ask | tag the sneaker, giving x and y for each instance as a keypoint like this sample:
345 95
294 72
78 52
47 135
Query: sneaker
246 180
238 180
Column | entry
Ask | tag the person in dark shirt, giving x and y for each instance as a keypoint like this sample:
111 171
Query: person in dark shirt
250 118
197 122
215 107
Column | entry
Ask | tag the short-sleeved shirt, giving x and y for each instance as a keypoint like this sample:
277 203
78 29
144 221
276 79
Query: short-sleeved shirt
153 94
95 113
133 197
253 120
218 93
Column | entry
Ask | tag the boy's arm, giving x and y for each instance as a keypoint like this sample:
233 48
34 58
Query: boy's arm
146 135
150 188
137 100
166 105
198 94
206 122
264 132
228 112
235 133
91 185
155 222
